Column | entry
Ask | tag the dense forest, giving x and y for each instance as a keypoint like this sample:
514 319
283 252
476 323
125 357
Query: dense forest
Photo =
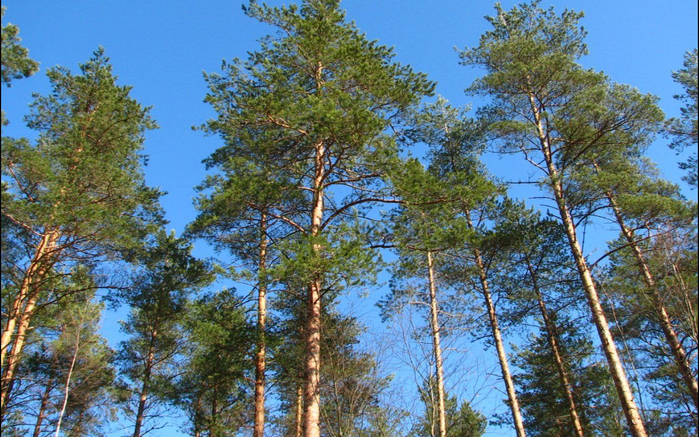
317 192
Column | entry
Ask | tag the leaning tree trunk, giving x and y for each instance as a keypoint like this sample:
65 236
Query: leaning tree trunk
436 343
66 392
42 408
21 312
260 358
554 342
678 352
499 345
621 382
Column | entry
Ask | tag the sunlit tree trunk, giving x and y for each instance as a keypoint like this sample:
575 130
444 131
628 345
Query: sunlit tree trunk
499 345
20 314
616 368
259 424
436 343
311 417
66 392
678 352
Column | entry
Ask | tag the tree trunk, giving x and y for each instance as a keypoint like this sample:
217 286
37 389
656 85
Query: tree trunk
621 382
299 411
67 389
552 334
434 323
21 312
671 337
312 366
42 409
259 422
499 346
143 397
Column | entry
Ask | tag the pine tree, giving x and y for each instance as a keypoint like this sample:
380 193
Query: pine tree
78 193
158 300
16 62
317 98
548 107
684 130
211 386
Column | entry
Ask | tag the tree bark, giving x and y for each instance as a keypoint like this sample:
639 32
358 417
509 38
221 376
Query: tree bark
299 411
21 312
552 334
259 422
143 396
436 343
621 382
311 417
499 346
42 409
68 378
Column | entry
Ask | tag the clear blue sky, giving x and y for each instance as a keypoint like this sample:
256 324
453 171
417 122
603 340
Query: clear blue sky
161 48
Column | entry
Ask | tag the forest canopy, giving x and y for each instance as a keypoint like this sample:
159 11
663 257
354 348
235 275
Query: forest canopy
373 259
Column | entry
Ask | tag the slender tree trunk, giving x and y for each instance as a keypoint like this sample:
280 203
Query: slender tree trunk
66 392
143 397
42 409
259 423
552 334
678 353
21 312
312 366
299 411
436 343
621 382
499 345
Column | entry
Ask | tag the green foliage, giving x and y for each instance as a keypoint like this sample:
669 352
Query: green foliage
158 299
462 420
16 63
544 406
684 129
211 386
83 179
68 328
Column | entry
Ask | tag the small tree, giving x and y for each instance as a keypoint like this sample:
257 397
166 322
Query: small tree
158 300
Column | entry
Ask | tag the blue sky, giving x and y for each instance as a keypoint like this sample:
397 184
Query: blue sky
161 49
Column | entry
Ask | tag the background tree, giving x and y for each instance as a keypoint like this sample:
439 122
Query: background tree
211 386
16 62
683 130
158 300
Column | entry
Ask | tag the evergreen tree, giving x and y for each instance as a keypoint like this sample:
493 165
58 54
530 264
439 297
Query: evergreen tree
318 99
211 386
158 301
78 194
543 397
684 129
16 63
548 107
462 420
